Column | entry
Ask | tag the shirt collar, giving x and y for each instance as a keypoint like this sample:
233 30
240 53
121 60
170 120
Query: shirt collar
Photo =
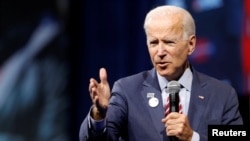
185 80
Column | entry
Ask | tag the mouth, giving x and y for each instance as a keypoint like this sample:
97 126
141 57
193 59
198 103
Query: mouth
162 64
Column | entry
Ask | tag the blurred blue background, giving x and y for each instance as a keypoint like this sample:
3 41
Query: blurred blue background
79 37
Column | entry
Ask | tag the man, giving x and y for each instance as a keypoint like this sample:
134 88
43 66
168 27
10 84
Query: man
135 109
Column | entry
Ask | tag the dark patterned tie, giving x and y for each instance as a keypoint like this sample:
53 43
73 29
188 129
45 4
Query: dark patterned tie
168 107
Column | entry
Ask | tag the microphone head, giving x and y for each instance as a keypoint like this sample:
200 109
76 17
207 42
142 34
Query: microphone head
173 87
173 90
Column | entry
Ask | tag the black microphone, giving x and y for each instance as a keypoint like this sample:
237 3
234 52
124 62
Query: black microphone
173 89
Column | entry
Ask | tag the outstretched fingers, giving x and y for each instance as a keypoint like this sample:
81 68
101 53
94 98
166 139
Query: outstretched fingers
103 76
93 84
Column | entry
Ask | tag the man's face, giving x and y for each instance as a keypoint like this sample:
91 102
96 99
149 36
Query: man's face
167 48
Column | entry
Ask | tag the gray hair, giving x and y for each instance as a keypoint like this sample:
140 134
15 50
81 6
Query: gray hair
170 10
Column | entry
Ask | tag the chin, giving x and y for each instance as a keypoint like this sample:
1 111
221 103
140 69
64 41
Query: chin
163 72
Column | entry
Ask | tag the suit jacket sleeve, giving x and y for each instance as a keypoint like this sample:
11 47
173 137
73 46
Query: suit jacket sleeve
87 134
115 120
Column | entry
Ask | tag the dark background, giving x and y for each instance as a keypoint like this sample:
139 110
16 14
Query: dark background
110 34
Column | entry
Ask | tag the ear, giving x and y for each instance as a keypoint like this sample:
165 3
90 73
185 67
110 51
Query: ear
191 44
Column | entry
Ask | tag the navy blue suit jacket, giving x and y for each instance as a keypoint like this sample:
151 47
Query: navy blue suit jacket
129 115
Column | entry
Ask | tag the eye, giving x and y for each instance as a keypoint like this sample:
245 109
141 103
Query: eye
153 43
169 42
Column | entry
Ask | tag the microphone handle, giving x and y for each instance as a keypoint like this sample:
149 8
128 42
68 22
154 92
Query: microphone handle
173 138
174 102
174 107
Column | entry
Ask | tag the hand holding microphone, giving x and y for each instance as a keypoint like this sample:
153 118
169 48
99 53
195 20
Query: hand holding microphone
173 89
177 125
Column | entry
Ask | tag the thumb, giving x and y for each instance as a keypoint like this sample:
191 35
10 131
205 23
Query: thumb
103 76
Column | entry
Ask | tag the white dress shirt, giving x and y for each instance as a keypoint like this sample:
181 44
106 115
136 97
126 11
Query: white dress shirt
184 94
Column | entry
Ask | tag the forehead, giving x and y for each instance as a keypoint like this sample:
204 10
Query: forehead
164 27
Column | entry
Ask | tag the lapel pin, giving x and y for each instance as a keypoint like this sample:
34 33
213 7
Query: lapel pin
150 95
201 97
153 101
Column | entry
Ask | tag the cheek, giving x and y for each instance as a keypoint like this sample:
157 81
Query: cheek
181 57
151 54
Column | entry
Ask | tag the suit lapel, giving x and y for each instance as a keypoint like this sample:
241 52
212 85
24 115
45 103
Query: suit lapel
156 113
198 101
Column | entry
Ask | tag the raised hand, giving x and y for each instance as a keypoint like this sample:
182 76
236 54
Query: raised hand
100 95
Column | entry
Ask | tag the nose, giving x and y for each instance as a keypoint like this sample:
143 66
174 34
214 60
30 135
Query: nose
161 50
